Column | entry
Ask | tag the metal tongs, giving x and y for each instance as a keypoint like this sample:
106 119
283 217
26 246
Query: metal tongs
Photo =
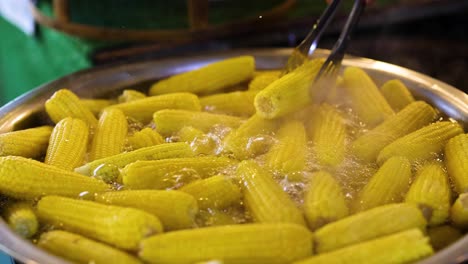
329 70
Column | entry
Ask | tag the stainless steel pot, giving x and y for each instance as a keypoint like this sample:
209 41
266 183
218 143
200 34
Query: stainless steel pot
28 110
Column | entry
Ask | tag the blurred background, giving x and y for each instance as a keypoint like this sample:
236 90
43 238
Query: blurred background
59 37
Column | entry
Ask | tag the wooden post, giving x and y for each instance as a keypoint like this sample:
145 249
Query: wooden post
61 10
197 13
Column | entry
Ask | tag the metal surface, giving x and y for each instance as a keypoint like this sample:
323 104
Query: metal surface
27 110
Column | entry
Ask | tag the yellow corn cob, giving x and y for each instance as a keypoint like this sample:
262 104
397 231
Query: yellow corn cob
421 144
304 115
110 134
369 104
269 71
214 192
396 94
235 244
288 155
96 105
64 103
388 185
83 250
456 160
215 217
373 223
146 137
324 201
262 80
161 151
166 173
251 138
431 190
188 134
211 261
130 95
119 226
68 142
207 79
28 143
175 209
459 211
328 133
443 236
28 179
108 173
143 109
403 247
21 218
200 142
336 92
411 118
235 103
289 93
264 198
170 121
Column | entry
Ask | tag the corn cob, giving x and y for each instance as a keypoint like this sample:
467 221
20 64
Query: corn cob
161 151
324 201
215 217
431 190
96 105
328 133
175 209
119 226
28 143
214 192
167 173
373 223
234 103
369 104
288 155
397 94
289 93
28 179
146 137
262 80
459 211
411 118
211 261
68 142
388 185
262 72
443 236
421 144
188 134
170 121
264 198
64 103
336 92
304 115
21 218
83 250
109 138
251 138
143 109
456 160
210 78
200 142
130 95
239 244
403 247
107 173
